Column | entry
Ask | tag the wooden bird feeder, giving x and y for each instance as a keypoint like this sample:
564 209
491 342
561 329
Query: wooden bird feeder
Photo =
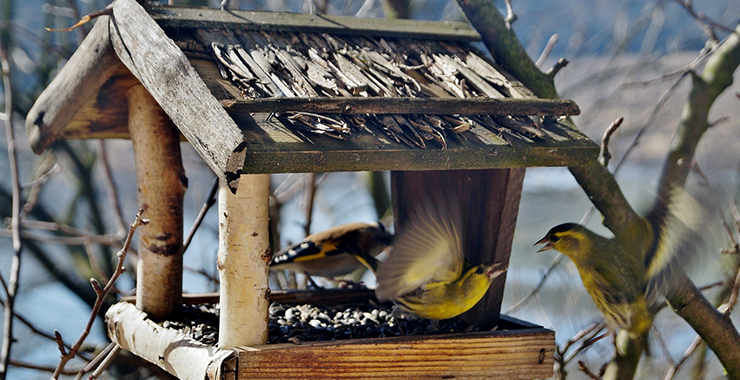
258 93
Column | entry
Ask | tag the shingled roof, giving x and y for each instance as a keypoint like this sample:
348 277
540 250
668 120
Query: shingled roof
301 93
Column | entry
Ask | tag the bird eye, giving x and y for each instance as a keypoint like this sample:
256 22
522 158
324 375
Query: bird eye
479 270
554 238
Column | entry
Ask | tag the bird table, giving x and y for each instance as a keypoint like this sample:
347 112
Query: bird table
259 92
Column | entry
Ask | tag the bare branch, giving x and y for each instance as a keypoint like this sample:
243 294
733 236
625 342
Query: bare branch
546 51
726 307
510 15
686 355
586 335
584 369
693 65
310 197
23 364
95 361
84 20
210 201
554 264
706 24
562 62
106 362
604 155
110 188
43 177
100 296
110 241
13 282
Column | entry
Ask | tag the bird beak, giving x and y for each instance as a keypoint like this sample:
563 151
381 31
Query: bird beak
547 244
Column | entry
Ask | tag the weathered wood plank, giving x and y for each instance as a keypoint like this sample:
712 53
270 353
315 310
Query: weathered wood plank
272 148
164 70
514 354
170 349
71 91
180 17
387 105
315 161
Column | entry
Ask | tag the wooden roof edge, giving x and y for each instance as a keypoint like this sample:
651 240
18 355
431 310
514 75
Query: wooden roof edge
162 68
405 105
92 64
202 17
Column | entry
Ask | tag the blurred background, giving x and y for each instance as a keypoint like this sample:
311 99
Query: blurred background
612 46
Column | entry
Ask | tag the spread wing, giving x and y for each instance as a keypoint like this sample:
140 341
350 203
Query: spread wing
677 224
428 249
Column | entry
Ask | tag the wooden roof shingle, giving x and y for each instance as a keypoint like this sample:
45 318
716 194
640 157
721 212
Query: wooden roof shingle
266 92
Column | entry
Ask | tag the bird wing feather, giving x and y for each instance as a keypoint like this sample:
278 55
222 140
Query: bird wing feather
428 249
676 222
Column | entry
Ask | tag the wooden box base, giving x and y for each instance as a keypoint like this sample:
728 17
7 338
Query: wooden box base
516 350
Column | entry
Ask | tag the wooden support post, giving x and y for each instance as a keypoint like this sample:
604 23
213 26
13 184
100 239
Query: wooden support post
489 200
161 185
243 255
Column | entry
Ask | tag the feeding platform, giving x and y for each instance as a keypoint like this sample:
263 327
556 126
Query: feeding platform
259 92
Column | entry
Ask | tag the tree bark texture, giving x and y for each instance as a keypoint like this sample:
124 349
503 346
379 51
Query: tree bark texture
161 185
243 257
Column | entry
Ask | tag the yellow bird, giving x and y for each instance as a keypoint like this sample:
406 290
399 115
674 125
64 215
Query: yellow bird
626 276
325 253
426 274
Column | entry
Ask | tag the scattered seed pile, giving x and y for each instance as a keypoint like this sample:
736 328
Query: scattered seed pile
305 323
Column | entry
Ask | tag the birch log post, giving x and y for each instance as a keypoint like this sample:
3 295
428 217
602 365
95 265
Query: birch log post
161 185
243 255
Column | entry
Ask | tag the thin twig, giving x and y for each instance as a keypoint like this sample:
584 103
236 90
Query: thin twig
35 186
706 23
13 282
210 201
23 364
693 65
107 240
106 362
554 264
686 355
79 32
213 279
38 332
110 188
562 62
586 335
100 296
584 369
95 361
546 51
604 155
84 20
659 337
89 250
310 197
589 338
43 177
726 307
510 15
